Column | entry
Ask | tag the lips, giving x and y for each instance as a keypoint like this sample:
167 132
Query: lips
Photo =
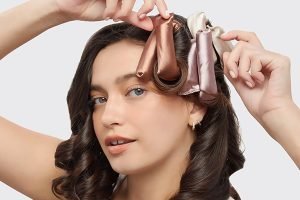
117 144
117 140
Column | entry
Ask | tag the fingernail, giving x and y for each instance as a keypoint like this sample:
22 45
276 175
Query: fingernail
232 74
249 84
107 18
142 16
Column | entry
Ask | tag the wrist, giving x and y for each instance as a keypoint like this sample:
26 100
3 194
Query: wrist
281 115
283 125
47 13
29 20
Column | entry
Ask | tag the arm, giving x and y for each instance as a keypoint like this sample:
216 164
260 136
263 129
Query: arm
262 79
29 20
27 157
284 125
36 16
27 160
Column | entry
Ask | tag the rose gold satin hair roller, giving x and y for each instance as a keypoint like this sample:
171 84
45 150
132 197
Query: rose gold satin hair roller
205 45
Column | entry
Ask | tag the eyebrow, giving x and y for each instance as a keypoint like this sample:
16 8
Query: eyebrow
120 79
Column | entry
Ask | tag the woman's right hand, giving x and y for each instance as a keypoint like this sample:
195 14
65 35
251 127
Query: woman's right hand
97 10
45 14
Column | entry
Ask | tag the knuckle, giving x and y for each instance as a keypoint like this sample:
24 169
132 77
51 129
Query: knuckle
109 13
251 55
244 75
286 60
245 52
231 63
253 34
126 12
241 44
228 64
121 14
254 58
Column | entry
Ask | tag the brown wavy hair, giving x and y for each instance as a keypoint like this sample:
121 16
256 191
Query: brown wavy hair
214 155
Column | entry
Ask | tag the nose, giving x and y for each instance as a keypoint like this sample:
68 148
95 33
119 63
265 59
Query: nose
113 113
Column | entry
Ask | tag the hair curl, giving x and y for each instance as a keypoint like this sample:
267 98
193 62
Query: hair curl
214 155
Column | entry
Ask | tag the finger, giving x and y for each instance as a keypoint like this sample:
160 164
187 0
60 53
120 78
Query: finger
146 8
256 70
111 7
227 70
126 8
232 70
244 67
249 37
238 62
236 82
232 61
162 8
133 19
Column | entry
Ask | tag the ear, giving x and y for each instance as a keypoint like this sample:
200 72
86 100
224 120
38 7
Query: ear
196 112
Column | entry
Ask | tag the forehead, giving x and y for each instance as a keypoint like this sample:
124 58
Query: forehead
115 60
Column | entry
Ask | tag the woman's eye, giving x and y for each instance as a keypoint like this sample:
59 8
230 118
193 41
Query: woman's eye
99 100
136 92
131 92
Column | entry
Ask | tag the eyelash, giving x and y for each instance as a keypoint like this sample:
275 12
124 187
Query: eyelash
94 101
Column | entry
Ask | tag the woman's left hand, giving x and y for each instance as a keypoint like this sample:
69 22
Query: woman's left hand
261 77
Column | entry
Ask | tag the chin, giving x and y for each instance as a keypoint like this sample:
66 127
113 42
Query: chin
127 168
122 169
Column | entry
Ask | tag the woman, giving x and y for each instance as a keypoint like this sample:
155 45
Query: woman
80 165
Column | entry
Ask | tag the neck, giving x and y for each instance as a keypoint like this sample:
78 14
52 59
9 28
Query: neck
160 182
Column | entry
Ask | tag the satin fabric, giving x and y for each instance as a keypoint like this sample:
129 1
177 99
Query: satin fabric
160 46
205 45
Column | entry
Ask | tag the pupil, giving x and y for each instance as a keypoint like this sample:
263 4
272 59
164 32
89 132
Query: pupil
138 91
101 100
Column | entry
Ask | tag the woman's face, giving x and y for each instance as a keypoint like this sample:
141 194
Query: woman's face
138 128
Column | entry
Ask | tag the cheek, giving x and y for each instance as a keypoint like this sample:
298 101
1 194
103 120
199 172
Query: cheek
164 119
171 114
98 128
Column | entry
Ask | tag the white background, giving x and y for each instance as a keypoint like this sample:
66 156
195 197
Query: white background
35 78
